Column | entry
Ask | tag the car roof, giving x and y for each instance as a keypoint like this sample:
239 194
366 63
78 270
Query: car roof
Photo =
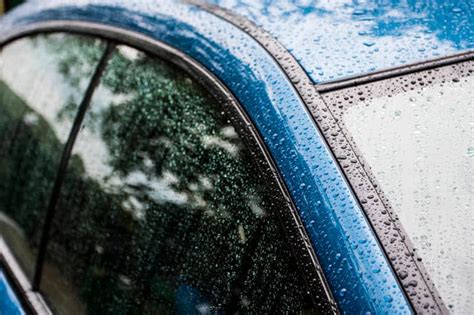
335 39
330 212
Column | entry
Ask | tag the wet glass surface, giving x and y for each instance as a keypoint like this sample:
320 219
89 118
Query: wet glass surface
419 145
33 129
336 39
331 215
163 209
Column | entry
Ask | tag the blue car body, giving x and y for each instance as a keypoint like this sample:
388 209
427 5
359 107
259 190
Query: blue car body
329 42
9 303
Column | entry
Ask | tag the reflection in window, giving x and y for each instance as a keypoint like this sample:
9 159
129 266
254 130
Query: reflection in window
163 209
419 145
33 128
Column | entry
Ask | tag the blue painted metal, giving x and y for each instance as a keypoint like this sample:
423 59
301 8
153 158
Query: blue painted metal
9 303
336 39
354 263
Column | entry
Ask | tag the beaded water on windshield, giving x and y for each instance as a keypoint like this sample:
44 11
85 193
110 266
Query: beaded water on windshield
414 136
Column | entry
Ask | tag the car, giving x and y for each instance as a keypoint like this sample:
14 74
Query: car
224 156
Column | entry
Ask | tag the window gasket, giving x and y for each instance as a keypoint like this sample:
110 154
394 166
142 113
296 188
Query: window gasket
388 73
287 214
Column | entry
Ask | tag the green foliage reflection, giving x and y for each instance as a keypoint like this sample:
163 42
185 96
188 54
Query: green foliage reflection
163 209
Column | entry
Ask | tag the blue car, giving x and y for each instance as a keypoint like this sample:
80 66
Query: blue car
237 156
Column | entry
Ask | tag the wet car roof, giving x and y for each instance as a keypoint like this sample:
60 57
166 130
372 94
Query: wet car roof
334 39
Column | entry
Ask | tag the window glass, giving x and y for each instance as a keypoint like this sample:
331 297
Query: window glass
163 209
419 145
34 98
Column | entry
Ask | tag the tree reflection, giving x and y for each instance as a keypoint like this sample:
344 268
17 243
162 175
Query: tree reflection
162 207
31 137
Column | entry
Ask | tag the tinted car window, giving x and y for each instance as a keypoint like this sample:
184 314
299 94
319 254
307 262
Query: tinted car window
33 129
163 209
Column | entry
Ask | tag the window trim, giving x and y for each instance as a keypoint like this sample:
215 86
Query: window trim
296 235
388 73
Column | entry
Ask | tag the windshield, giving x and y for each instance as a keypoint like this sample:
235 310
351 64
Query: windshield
418 143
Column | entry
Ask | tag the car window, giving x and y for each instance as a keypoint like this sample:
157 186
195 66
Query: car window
163 208
416 136
34 128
